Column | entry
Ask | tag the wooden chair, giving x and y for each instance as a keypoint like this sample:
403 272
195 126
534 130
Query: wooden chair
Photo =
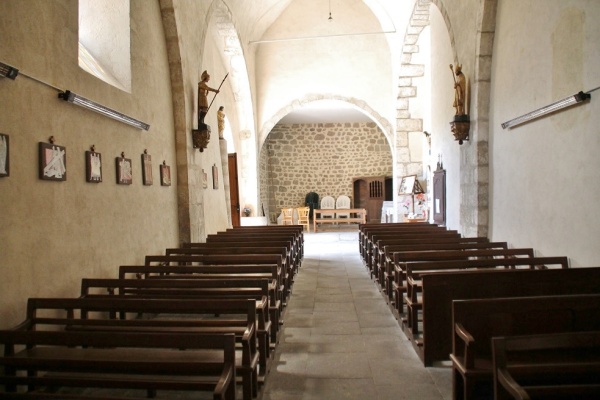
288 216
303 217
342 203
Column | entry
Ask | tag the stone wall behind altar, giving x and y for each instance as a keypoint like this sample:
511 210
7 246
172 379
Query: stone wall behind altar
322 158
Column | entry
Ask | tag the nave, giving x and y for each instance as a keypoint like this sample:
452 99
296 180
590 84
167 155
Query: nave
340 339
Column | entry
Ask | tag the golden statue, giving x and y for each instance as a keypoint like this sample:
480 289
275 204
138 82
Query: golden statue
461 90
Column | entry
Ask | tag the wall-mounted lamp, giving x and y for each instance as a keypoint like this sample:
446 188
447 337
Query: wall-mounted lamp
559 105
99 108
6 71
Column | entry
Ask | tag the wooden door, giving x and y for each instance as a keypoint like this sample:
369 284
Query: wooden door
369 193
234 192
439 197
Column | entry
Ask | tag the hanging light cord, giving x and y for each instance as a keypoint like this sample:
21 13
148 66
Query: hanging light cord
330 17
588 92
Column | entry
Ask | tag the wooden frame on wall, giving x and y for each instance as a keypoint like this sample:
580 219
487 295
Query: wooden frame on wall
4 155
146 169
165 175
53 162
215 176
93 167
124 170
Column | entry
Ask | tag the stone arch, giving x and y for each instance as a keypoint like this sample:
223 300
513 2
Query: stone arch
405 163
474 212
383 124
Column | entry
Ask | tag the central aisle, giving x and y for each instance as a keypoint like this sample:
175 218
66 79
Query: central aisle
340 339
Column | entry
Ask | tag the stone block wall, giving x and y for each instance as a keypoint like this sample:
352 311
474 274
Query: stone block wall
322 158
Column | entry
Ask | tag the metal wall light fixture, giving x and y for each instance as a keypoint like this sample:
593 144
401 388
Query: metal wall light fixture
6 71
71 97
559 105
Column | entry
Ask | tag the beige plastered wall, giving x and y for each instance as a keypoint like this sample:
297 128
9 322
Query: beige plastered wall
355 68
546 174
53 234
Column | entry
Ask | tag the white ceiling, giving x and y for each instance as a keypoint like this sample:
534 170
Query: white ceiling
325 111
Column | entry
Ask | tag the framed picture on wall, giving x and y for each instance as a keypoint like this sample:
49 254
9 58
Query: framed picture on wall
204 179
93 167
4 156
165 175
146 169
215 174
53 162
124 170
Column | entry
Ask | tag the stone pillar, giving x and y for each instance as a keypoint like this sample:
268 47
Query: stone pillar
225 169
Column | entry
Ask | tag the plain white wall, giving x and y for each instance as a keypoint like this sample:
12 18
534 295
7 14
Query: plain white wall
545 175
442 112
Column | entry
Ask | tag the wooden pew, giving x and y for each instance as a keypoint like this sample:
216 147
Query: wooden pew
549 366
246 281
440 289
150 315
379 240
129 360
209 288
365 231
387 250
242 235
394 267
477 321
398 275
283 282
370 238
416 270
208 249
287 244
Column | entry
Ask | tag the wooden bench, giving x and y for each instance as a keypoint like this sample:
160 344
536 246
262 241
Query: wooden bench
378 241
209 288
361 216
283 282
287 260
244 235
365 231
119 314
369 244
440 289
416 270
477 321
396 282
247 281
394 266
548 366
287 244
129 360
383 259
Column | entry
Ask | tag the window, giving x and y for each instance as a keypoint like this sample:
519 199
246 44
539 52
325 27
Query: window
104 41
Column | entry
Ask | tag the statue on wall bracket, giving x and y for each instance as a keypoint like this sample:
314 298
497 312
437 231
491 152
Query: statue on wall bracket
201 136
461 124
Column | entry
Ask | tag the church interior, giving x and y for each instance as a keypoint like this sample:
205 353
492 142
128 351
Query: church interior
221 113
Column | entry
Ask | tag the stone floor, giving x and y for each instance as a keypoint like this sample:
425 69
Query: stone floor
340 339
